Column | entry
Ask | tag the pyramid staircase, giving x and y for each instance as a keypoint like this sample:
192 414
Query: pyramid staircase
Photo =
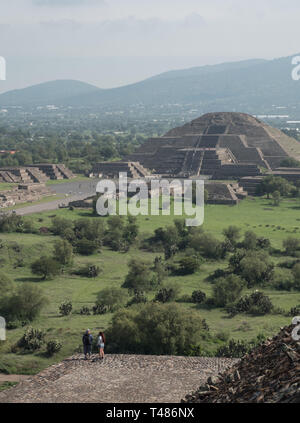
133 170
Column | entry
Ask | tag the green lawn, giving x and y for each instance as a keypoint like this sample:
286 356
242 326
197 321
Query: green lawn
43 200
78 178
4 186
275 223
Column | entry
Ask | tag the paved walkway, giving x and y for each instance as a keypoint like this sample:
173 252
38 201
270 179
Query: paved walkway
76 191
51 205
117 379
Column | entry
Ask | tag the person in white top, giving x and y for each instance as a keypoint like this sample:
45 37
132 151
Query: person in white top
101 344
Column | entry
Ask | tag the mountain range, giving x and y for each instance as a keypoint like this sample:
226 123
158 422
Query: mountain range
235 86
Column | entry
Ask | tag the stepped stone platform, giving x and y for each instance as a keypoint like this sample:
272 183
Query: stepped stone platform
134 170
220 145
117 379
222 193
38 173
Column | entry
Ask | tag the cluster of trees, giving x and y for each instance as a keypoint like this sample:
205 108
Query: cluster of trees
88 235
15 223
78 149
179 238
278 187
156 328
84 236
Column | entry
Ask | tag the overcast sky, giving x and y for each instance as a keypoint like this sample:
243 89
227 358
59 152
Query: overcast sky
114 42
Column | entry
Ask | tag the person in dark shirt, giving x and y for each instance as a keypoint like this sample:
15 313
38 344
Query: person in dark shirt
87 341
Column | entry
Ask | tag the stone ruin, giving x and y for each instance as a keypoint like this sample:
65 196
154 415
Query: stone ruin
111 170
223 193
23 193
268 374
218 145
38 173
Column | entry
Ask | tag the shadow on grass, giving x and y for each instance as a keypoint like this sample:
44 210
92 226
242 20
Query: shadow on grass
87 214
30 279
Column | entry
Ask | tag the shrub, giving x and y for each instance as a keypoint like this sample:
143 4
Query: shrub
255 267
207 246
160 269
11 223
86 247
6 284
271 183
283 280
263 243
188 265
60 225
53 347
14 324
257 304
120 235
138 298
234 349
295 311
154 328
25 304
141 276
63 252
85 311
296 274
32 340
99 309
250 241
198 297
167 239
131 230
217 274
92 230
276 198
89 271
112 298
46 267
168 293
65 308
237 349
232 234
227 290
291 246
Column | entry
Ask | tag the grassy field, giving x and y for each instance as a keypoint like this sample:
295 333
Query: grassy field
4 186
275 223
43 200
78 178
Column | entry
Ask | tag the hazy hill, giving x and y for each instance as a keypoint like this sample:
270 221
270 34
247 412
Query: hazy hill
232 86
53 92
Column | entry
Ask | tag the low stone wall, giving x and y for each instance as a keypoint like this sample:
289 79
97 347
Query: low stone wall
24 193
